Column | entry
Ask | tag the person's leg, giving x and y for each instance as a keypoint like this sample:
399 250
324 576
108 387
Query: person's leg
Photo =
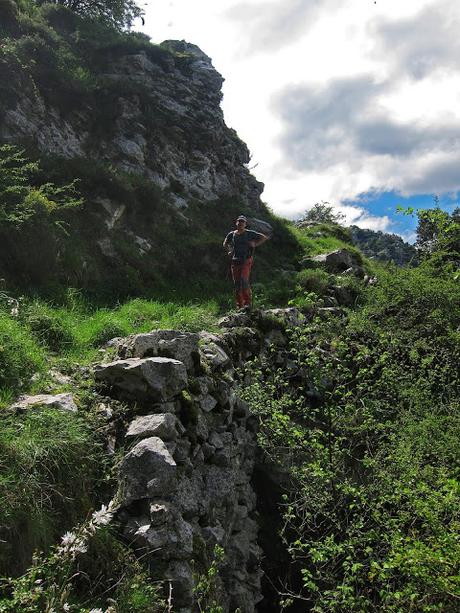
236 276
245 285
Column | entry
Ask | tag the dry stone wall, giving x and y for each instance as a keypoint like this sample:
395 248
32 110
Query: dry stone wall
185 479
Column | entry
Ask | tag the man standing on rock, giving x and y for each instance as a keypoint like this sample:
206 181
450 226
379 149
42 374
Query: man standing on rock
240 244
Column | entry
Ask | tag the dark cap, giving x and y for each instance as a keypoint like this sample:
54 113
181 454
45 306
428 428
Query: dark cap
241 218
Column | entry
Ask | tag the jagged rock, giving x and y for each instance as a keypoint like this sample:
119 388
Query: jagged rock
215 355
260 226
63 402
182 346
290 317
334 261
171 540
158 378
160 512
344 295
145 344
215 440
207 403
148 470
163 425
235 320
181 576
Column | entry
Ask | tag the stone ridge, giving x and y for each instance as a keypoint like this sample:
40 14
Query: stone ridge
185 480
166 124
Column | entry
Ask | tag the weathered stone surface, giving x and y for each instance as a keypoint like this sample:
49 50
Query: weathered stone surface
181 576
182 346
173 540
63 402
334 261
235 320
290 317
163 425
160 512
144 345
215 355
148 470
207 403
158 378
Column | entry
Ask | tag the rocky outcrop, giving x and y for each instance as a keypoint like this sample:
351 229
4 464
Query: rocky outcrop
338 261
166 124
140 127
185 482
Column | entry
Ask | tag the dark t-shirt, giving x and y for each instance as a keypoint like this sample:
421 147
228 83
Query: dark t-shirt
240 243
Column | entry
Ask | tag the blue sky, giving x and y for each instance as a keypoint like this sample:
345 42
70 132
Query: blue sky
353 102
386 203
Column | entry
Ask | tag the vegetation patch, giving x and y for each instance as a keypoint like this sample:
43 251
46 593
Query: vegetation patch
52 463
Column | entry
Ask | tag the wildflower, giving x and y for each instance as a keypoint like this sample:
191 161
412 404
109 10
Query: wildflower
102 517
66 607
72 543
96 611
14 311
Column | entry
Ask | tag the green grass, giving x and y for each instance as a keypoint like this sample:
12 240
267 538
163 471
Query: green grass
315 245
20 355
50 463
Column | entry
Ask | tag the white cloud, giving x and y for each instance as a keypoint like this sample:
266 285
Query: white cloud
334 97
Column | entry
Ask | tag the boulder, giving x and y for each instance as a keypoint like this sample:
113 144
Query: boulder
181 576
182 346
63 402
148 470
159 379
334 261
207 403
144 345
258 225
163 425
289 317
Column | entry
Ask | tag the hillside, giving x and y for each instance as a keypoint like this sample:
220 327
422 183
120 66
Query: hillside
139 128
383 246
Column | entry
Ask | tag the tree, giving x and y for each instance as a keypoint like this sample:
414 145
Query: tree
322 212
118 13
438 231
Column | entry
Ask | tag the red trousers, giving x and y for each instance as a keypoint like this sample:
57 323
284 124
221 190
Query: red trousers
240 275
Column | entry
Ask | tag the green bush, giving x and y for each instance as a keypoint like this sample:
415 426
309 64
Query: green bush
368 441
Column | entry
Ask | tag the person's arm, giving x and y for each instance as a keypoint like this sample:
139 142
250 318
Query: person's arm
228 242
259 239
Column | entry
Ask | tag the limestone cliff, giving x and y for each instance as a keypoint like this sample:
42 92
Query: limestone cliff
141 128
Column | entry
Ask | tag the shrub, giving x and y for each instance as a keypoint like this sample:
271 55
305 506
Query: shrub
20 198
366 432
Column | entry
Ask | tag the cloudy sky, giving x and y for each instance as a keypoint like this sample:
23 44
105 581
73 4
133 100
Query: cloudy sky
354 102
